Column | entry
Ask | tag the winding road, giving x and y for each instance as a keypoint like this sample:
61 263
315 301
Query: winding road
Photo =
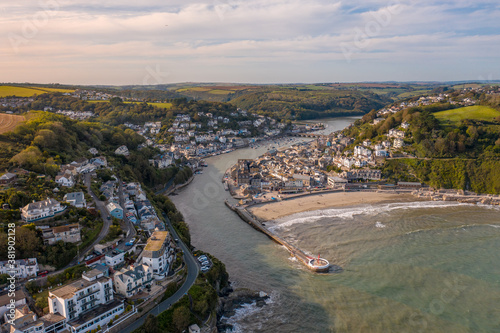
192 269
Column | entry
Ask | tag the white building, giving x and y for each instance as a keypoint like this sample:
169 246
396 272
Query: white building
114 258
132 280
41 209
122 150
157 254
86 303
398 143
22 269
67 233
5 301
76 199
394 133
65 180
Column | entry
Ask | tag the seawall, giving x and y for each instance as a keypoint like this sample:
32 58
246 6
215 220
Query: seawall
295 251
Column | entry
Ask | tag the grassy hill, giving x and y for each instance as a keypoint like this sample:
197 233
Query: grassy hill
293 103
478 112
9 121
165 105
20 91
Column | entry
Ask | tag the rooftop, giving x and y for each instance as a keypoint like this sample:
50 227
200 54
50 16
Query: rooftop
68 291
156 241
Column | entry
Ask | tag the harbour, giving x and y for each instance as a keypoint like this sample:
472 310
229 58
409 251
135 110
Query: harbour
397 259
318 265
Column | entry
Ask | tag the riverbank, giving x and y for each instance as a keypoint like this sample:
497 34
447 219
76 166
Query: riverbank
274 210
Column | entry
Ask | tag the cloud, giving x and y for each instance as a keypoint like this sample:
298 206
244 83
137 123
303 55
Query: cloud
114 41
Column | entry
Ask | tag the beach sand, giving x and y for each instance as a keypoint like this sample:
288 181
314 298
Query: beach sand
274 210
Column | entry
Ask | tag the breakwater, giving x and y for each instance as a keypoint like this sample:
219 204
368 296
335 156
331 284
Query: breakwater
316 265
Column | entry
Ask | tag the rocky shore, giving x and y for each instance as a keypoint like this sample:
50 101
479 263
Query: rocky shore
231 300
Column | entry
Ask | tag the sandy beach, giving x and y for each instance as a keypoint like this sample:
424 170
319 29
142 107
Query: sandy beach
274 210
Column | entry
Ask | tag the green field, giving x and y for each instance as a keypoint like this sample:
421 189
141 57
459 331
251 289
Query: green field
27 91
477 112
160 105
220 92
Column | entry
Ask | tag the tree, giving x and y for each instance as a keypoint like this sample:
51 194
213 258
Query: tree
151 324
181 318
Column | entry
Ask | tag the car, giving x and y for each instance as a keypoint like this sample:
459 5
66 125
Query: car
205 269
204 263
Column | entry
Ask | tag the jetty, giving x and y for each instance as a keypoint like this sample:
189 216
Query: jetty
319 265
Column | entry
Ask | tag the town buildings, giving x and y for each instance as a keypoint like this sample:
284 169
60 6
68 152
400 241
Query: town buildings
67 233
158 254
22 269
132 280
76 199
39 210
86 303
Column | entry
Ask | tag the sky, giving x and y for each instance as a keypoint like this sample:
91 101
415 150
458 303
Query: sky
149 42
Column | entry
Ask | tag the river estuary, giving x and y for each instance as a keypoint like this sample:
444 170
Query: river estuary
407 267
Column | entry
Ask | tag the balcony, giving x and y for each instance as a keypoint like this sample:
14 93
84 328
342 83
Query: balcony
88 294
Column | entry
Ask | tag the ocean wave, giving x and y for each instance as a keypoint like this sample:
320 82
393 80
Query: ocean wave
249 310
349 213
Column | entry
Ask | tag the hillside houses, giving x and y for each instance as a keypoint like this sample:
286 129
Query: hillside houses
67 233
76 199
41 210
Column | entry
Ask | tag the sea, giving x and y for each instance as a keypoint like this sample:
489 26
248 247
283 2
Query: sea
422 266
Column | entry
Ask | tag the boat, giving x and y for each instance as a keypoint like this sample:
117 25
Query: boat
226 186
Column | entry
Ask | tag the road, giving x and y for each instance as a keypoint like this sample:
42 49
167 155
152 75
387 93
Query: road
104 215
104 231
129 226
192 269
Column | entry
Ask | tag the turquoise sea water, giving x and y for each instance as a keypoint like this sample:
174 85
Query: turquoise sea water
407 267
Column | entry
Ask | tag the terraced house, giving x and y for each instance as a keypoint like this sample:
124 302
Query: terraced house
132 280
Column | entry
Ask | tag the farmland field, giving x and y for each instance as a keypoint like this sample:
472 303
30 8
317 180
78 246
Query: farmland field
477 112
160 105
220 92
8 122
27 91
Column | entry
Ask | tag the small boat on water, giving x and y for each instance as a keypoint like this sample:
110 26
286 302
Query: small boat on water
226 186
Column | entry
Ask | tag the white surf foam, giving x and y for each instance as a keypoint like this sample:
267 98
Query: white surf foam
349 213
249 310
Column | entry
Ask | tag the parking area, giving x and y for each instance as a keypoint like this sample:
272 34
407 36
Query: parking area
204 262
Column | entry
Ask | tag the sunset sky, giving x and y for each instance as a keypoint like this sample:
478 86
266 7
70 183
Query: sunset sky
251 41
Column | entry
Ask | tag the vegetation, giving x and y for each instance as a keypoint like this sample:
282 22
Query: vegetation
19 91
456 116
455 147
9 121
166 206
302 104
183 175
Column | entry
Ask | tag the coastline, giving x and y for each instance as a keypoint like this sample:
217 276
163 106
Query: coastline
274 210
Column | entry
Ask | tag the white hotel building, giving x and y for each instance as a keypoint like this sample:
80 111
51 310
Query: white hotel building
158 254
86 303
